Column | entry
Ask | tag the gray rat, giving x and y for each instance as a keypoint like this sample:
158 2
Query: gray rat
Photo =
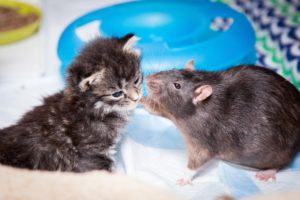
246 115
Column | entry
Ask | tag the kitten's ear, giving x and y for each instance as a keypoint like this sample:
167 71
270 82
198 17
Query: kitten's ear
201 93
74 75
91 80
128 42
123 40
190 65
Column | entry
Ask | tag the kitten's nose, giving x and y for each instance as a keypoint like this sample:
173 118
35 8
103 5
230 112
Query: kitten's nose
133 95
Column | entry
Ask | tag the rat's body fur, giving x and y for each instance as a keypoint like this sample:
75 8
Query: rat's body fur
251 118
76 129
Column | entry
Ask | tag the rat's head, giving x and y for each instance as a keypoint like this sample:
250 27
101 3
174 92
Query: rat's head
178 91
106 74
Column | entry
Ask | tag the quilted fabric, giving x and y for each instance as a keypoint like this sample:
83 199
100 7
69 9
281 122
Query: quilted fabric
277 26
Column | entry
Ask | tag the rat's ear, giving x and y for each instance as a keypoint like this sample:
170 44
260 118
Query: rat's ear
128 42
201 93
190 65
91 80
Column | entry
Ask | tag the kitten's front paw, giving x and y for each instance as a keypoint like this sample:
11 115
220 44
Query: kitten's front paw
184 181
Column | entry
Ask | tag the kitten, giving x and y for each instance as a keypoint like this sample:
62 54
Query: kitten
75 129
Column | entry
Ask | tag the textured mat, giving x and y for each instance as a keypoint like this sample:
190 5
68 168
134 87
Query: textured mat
277 26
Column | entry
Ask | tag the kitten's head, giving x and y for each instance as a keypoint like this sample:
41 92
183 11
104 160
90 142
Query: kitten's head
106 74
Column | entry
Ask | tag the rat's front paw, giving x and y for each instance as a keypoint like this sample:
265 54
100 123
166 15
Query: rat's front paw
183 182
187 177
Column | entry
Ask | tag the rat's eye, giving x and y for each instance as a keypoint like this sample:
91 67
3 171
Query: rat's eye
177 86
117 94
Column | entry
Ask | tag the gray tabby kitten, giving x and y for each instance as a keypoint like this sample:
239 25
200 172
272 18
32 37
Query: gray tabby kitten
75 129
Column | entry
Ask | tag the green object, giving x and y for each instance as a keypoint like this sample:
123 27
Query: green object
23 31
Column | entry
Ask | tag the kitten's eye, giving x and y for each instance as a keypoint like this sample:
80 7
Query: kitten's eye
136 81
177 86
117 94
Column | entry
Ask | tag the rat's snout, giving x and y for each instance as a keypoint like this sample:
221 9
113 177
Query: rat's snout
151 78
153 82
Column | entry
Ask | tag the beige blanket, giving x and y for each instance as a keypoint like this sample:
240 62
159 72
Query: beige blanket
19 184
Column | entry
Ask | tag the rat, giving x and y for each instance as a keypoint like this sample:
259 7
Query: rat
77 128
246 115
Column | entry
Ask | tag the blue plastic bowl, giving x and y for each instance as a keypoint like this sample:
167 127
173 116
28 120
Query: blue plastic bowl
171 33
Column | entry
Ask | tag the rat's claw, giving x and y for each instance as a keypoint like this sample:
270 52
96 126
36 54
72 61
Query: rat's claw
183 182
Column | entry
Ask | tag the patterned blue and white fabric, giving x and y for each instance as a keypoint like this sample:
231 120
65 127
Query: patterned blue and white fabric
277 25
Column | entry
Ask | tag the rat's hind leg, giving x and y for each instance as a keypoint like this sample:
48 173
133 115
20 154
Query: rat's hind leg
277 161
196 159
265 175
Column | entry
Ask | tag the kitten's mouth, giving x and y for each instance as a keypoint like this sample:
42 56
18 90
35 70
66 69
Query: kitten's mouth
124 107
129 103
128 106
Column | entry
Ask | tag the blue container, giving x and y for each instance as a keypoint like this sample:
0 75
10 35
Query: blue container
171 33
